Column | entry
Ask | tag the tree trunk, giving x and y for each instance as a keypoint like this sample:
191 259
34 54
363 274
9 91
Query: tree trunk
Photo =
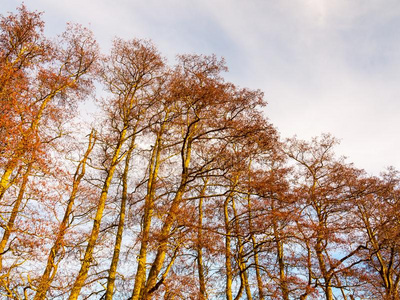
154 165
228 251
241 263
200 267
162 247
254 245
186 151
87 260
280 256
118 239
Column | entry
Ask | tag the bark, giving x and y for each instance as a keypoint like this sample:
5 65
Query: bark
257 267
162 248
5 179
385 270
200 266
228 251
154 166
254 247
319 246
87 260
118 239
240 256
280 257
319 250
172 214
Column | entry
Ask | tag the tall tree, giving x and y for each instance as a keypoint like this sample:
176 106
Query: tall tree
324 198
377 201
209 109
130 73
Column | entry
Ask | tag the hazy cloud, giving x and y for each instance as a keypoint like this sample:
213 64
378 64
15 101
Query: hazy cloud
325 66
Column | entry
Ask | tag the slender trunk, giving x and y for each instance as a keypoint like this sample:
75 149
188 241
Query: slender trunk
384 272
228 251
200 267
172 214
118 239
51 267
309 269
335 276
228 255
154 166
319 248
87 260
241 263
15 210
162 247
257 266
282 275
254 243
165 274
5 179
319 245
280 257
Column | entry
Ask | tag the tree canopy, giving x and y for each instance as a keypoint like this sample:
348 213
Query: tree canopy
181 188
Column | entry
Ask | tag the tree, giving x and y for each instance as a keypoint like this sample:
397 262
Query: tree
326 213
130 73
376 200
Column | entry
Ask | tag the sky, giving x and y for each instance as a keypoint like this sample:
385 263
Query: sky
325 66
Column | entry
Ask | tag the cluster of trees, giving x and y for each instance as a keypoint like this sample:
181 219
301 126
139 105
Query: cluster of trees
181 190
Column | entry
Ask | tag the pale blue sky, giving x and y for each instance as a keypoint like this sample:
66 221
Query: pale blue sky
324 65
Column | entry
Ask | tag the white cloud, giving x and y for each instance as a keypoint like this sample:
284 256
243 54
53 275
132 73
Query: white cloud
325 66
